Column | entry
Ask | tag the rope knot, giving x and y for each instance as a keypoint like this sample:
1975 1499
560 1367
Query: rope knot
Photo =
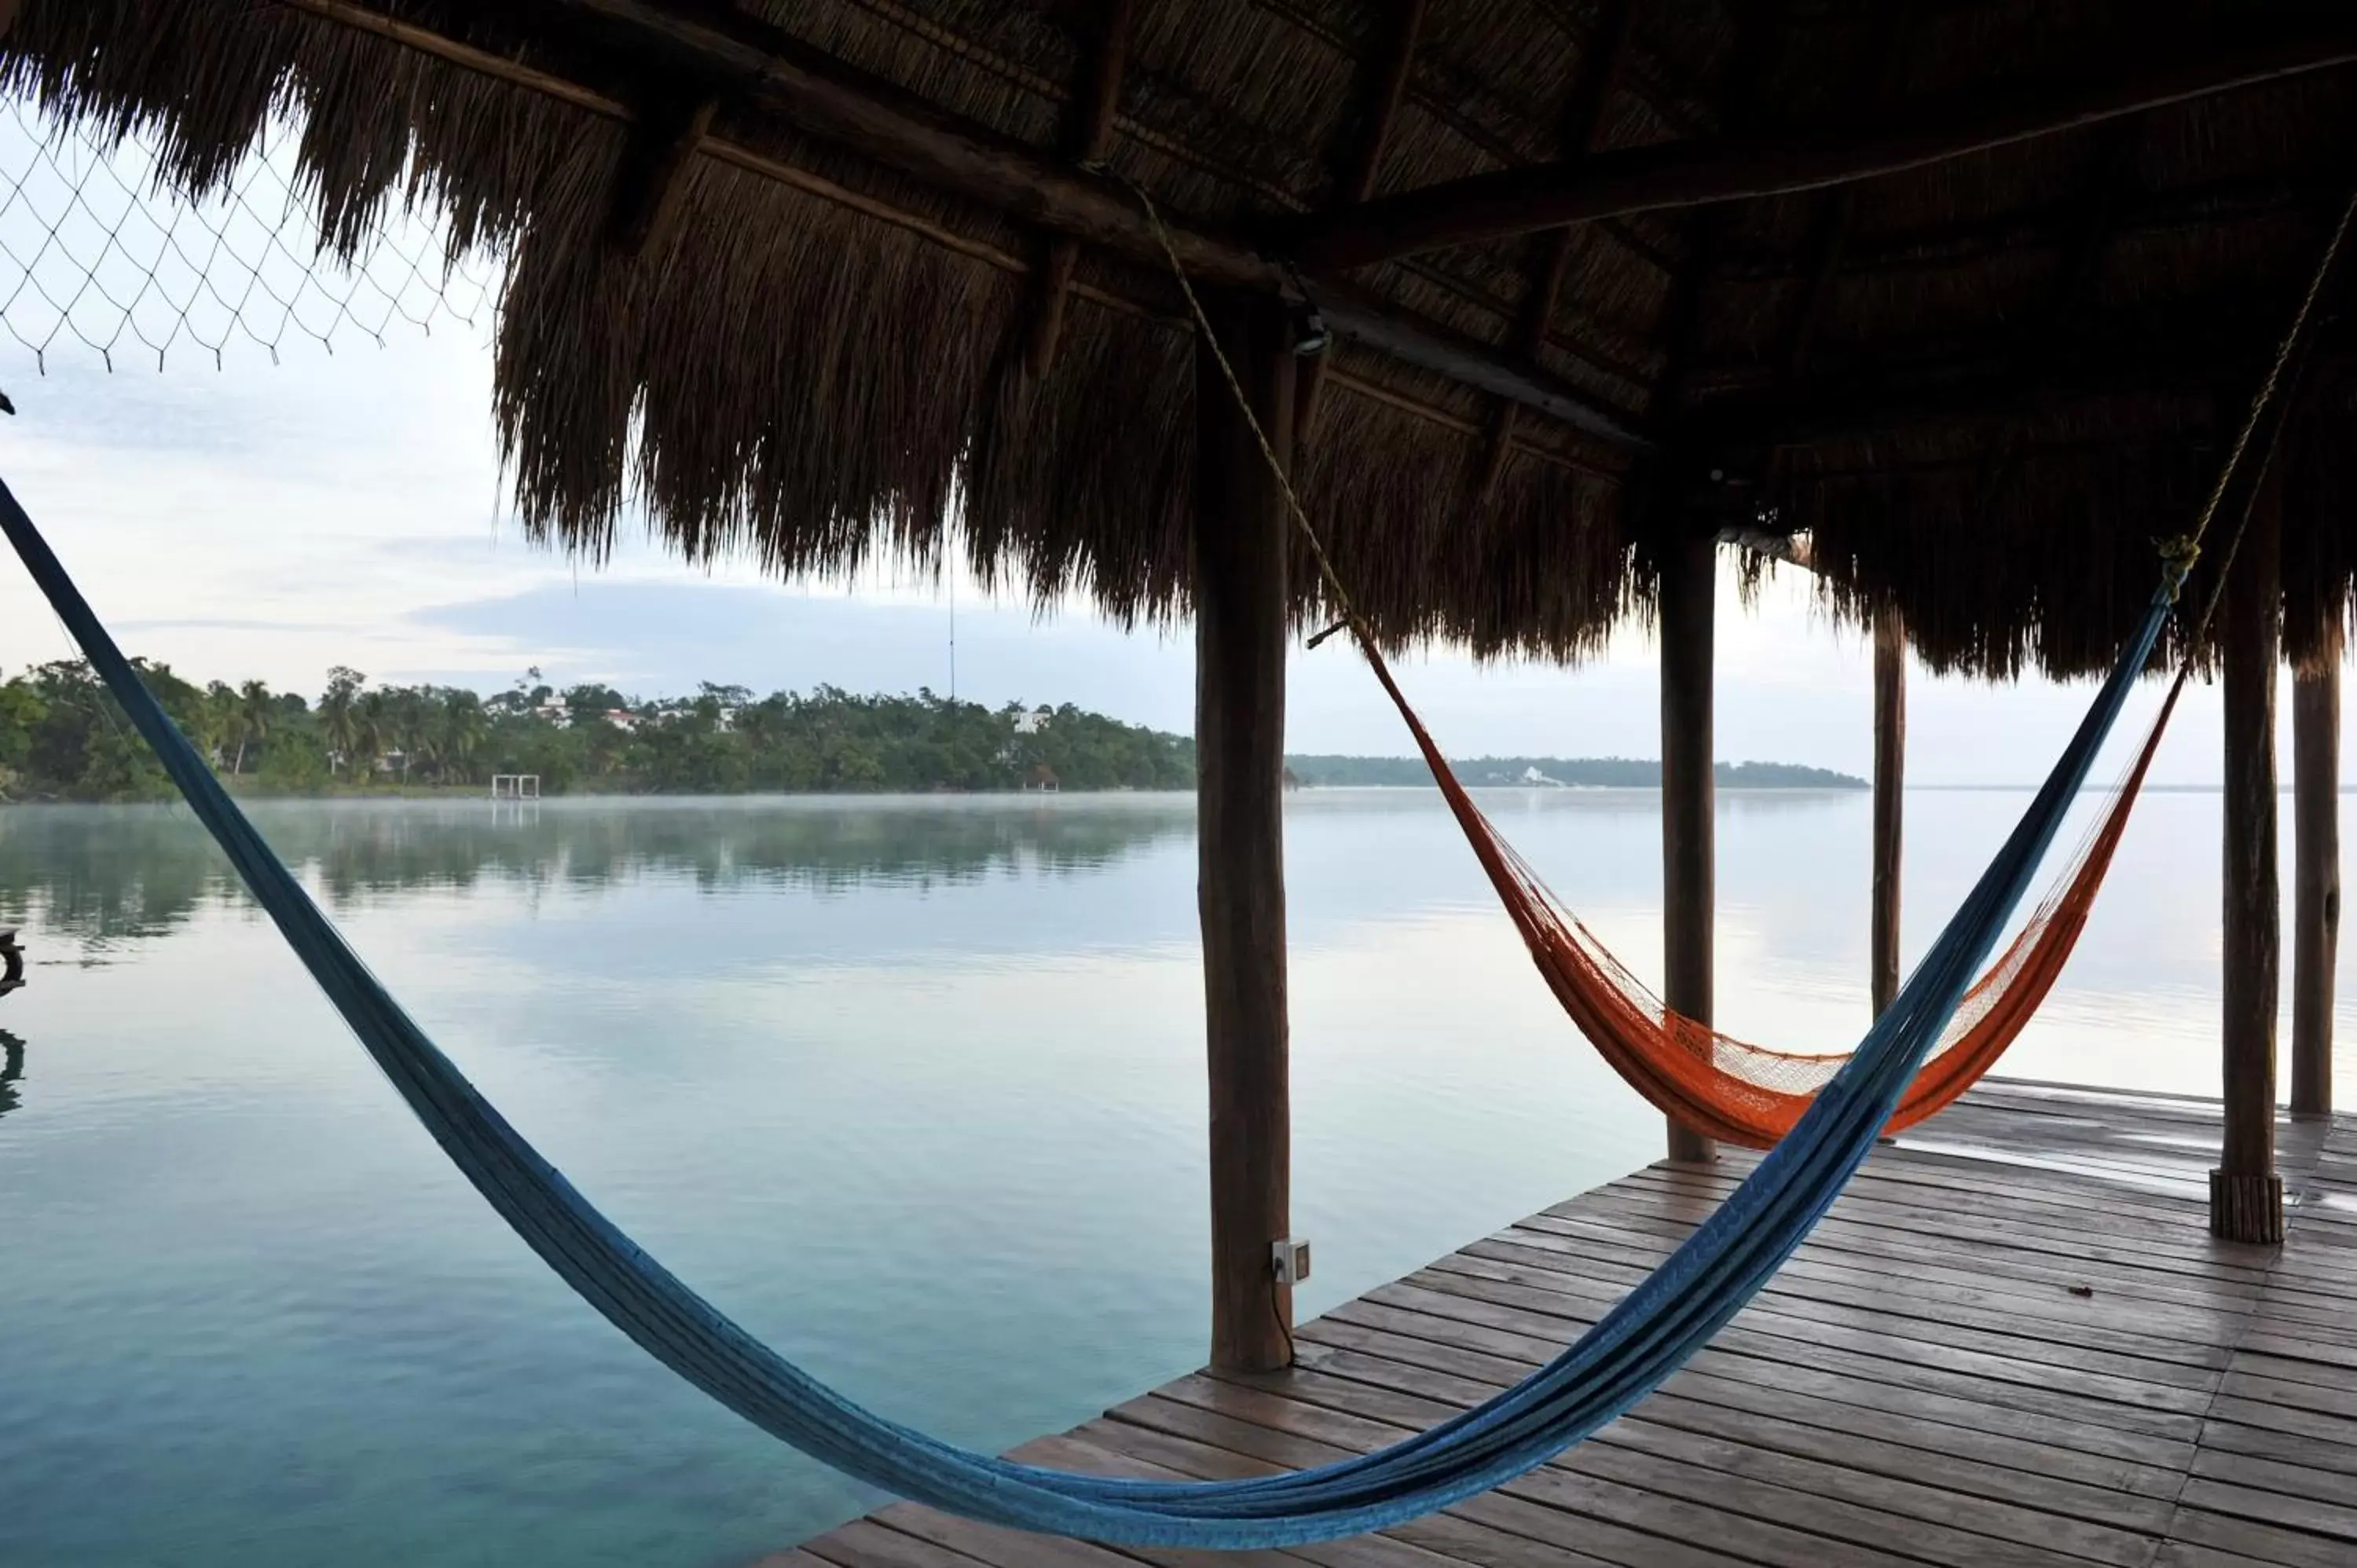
2177 554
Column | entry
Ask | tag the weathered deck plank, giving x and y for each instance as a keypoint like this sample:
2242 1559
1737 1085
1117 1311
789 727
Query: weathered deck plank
2012 1342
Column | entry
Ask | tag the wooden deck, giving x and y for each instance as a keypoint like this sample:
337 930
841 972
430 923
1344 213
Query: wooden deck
2013 1342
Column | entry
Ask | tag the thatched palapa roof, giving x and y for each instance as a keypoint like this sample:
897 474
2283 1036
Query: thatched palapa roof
1973 290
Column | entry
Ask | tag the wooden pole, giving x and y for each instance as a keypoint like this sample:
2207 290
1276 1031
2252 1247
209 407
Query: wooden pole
1689 581
2245 1193
1240 646
1889 782
2316 880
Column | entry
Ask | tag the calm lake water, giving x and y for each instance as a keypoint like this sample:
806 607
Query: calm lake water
913 1089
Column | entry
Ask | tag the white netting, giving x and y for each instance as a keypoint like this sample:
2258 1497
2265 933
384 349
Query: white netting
97 256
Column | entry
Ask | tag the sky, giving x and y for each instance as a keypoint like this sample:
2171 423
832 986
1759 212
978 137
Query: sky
342 503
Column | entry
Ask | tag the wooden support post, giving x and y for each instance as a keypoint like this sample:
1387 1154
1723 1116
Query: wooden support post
1688 624
1889 782
2316 880
1241 539
2245 1193
1689 794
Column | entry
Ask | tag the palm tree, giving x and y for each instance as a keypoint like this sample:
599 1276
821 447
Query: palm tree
372 727
338 717
462 720
424 741
405 725
255 712
213 724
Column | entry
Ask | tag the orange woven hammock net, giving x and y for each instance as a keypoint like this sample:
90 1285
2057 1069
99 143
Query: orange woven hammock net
1729 1089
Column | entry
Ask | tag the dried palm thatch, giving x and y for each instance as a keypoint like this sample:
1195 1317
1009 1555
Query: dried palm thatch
1983 384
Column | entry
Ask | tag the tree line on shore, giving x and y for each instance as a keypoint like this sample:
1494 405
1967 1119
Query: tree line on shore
63 737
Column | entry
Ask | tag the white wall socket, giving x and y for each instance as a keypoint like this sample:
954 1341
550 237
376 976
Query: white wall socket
1290 1260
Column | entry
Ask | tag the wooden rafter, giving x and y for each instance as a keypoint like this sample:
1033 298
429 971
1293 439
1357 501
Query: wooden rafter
1311 21
1733 167
2050 227
2095 220
654 171
825 99
1601 65
2077 279
1444 109
1386 81
1837 215
2179 372
1759 24
1382 86
1093 108
1829 238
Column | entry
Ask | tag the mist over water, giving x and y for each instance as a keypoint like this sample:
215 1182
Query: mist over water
913 1088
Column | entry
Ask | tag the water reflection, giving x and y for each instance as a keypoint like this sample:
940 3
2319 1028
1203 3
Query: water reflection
12 1069
107 874
941 1137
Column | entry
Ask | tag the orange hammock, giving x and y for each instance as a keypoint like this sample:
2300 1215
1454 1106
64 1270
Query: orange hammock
1729 1089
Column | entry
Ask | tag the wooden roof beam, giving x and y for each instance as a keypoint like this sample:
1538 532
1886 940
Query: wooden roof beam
1732 169
1091 137
2056 226
2094 220
1759 27
826 99
1386 88
1836 218
1382 88
1734 436
1601 64
653 172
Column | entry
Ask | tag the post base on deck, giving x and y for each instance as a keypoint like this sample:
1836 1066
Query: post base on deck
2247 1208
1688 1147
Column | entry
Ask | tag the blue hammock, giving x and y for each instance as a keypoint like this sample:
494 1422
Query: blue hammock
1616 1363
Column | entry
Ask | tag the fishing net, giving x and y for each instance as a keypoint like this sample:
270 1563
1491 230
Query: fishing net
101 254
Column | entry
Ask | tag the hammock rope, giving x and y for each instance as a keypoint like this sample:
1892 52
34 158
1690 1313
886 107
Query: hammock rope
1716 1084
1645 1337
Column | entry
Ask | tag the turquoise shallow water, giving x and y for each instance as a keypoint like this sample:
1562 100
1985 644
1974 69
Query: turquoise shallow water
914 1088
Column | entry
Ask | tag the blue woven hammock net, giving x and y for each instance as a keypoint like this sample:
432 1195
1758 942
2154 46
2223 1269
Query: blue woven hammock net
1611 1367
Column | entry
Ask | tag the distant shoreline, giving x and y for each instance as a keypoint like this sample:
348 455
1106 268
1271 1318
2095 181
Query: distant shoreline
457 793
1552 773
